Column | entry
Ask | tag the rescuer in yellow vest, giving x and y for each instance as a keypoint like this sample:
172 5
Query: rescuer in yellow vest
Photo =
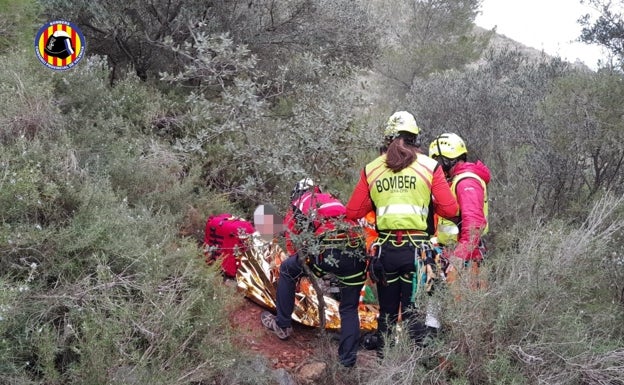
404 187
462 237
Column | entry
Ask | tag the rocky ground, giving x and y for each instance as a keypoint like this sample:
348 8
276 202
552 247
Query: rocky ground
282 354
307 355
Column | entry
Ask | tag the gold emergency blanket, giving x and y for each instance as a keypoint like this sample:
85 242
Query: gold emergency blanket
257 278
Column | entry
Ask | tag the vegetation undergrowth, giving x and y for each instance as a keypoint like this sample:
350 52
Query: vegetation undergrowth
108 172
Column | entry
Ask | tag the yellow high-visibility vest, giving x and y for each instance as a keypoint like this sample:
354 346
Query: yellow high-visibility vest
402 199
447 230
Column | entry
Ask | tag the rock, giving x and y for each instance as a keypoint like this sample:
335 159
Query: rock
310 373
282 377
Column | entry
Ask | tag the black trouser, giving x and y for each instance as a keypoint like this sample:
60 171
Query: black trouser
350 269
396 289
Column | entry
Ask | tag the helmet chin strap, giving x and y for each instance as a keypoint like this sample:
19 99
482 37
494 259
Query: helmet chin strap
447 164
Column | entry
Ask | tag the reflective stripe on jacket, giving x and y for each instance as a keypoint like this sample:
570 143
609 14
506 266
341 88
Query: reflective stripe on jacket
322 211
401 199
448 231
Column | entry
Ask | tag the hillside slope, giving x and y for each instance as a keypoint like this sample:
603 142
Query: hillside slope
383 95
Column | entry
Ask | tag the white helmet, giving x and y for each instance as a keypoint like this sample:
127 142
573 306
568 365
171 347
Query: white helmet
400 121
302 186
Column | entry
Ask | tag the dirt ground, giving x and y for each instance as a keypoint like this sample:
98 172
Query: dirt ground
252 335
307 345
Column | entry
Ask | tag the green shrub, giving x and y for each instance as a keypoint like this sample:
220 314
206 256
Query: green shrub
29 104
110 326
547 306
17 22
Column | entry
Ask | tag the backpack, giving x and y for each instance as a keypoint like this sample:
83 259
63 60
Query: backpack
224 239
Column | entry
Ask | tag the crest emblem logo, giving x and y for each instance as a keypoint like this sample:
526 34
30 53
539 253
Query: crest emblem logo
59 45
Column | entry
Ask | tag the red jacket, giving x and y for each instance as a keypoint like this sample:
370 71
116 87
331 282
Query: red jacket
470 196
328 212
444 202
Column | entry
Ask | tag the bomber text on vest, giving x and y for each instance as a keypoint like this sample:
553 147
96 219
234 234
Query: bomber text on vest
396 182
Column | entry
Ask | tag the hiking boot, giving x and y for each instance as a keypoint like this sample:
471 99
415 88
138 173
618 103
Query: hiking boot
268 320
